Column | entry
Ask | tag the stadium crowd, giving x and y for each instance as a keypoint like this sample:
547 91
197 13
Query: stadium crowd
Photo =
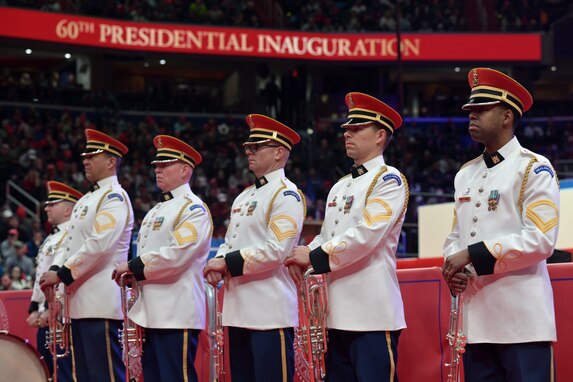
326 15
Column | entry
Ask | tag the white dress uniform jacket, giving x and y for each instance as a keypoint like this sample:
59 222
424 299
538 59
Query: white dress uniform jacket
357 245
507 214
45 259
99 234
266 221
173 245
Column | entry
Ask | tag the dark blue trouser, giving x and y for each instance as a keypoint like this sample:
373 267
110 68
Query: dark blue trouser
96 350
261 355
362 356
64 363
169 355
524 362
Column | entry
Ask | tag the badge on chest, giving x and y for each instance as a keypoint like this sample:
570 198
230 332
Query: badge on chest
251 208
348 204
157 223
493 200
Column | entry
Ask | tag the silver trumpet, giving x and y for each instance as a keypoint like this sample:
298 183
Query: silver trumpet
131 335
58 335
216 336
456 338
311 335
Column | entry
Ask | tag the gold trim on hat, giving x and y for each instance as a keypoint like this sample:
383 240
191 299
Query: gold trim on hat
104 147
180 156
502 97
54 197
377 118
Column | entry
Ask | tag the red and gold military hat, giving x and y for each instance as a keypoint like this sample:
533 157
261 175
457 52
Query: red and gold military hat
171 149
58 192
98 142
265 129
363 109
490 87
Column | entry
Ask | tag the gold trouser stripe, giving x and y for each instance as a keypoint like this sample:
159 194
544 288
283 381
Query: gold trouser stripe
552 368
74 376
283 354
391 355
108 350
185 345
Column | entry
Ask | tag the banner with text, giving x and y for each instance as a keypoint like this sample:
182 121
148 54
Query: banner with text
242 42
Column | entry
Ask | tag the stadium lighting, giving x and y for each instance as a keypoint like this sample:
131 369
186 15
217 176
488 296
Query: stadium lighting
457 69
146 64
28 51
67 56
162 62
553 68
309 131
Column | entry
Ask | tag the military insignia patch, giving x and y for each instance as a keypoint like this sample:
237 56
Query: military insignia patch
115 195
292 193
333 203
84 212
544 168
195 206
348 204
250 121
157 223
393 176
465 197
252 208
350 101
493 200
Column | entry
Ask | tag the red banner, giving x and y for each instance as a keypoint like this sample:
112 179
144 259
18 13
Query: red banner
175 38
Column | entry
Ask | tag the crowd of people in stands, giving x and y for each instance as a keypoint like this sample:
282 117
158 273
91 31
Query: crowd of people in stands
325 15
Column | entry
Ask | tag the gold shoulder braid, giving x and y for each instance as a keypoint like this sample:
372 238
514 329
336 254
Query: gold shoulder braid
270 208
524 183
210 219
178 218
371 188
303 203
128 201
57 246
102 198
407 196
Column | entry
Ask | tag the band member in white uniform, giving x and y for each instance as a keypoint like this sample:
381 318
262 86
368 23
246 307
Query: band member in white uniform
58 207
172 247
356 249
506 221
99 235
260 305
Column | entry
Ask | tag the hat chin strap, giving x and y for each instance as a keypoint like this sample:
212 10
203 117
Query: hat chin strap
257 142
468 105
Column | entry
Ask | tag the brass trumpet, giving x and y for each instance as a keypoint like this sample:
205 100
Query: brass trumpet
311 335
131 335
58 335
456 338
216 335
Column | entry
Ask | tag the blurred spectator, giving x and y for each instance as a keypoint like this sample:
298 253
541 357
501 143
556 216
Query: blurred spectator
6 282
34 244
7 247
18 280
20 260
